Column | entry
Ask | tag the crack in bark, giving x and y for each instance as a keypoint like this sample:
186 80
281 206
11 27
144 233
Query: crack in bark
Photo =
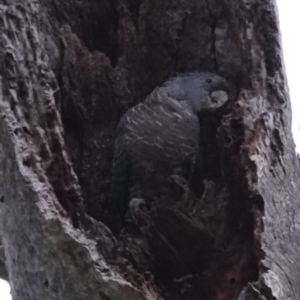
213 49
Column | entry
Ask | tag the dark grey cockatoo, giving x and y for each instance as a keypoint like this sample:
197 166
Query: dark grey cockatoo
159 137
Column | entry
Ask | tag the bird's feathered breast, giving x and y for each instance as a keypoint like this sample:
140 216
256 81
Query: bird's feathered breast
159 135
158 122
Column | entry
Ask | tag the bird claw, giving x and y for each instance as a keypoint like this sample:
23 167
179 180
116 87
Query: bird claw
179 181
136 206
179 187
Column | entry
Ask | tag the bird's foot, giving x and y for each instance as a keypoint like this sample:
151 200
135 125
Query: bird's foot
179 187
179 181
136 207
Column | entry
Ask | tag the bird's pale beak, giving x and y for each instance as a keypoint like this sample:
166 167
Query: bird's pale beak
219 97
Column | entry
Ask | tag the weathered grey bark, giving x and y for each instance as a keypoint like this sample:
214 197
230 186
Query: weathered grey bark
69 69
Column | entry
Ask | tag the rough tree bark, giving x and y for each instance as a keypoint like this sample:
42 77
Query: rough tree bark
69 69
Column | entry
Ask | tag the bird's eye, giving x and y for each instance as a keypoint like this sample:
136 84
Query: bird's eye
208 80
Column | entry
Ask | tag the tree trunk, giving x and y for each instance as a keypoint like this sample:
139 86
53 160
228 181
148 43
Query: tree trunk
69 70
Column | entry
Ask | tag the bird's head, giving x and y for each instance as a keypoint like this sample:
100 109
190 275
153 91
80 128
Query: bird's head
203 91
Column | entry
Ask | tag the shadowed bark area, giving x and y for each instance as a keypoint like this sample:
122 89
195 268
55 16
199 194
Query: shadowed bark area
69 70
